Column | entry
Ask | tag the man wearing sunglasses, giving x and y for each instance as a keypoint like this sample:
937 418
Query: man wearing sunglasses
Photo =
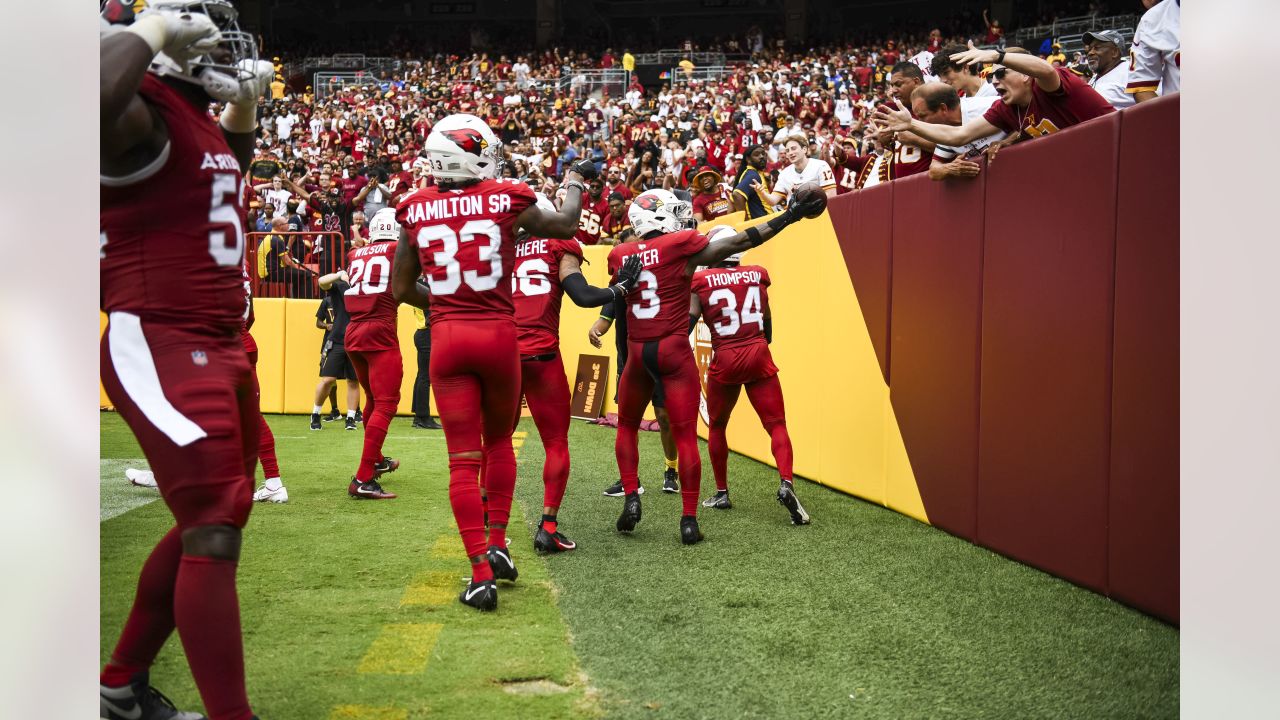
1035 99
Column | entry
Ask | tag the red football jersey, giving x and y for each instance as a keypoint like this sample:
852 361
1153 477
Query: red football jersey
171 243
369 301
536 290
734 301
466 243
593 213
659 304
1073 103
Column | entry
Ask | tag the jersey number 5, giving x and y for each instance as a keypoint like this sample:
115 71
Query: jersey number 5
223 211
488 232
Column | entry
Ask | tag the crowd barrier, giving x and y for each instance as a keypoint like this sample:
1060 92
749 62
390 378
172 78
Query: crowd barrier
997 357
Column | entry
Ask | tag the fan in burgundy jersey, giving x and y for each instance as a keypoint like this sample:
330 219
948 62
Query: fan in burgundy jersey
595 206
659 359
460 237
733 299
545 271
171 252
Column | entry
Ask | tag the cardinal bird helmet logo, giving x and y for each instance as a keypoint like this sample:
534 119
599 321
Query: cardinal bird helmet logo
467 139
649 202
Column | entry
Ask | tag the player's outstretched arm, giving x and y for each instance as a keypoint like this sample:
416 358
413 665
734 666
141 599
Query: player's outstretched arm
754 236
405 271
584 295
563 224
326 281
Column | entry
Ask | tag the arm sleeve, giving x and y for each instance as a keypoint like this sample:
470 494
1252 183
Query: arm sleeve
1146 67
609 311
584 295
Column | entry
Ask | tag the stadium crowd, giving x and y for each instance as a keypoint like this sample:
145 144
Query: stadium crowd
327 161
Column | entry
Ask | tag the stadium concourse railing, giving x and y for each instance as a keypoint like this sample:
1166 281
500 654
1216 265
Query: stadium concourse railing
310 249
998 357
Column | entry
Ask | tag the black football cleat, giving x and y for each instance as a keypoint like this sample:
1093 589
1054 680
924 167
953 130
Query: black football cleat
545 542
787 498
315 422
504 568
359 416
333 415
689 532
719 501
630 513
669 481
616 490
429 423
138 701
480 595
384 466
369 490
351 423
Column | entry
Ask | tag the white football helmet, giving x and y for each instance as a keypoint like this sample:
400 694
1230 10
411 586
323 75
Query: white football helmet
221 72
657 210
720 231
462 147
383 226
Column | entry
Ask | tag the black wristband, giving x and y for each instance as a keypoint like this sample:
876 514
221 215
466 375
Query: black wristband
753 235
999 57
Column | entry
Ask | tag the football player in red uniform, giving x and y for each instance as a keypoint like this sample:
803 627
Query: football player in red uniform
734 302
595 206
272 489
374 349
546 270
659 357
460 235
171 254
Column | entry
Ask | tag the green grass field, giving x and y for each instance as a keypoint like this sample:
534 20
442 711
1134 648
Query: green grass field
350 611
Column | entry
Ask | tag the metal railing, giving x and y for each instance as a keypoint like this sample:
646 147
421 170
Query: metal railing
1071 28
701 73
317 258
671 57
327 84
583 83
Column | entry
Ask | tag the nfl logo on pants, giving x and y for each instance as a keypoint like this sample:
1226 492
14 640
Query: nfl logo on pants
199 358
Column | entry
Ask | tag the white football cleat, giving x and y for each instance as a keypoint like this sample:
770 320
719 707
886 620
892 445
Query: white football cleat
266 494
141 478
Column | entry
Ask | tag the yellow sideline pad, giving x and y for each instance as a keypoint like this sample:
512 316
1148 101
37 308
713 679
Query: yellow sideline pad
841 422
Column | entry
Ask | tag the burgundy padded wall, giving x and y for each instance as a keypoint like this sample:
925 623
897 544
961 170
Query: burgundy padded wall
1143 545
1047 313
936 319
863 222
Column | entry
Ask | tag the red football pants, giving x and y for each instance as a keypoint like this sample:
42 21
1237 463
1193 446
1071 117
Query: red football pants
475 371
765 396
188 398
546 390
266 440
663 368
379 373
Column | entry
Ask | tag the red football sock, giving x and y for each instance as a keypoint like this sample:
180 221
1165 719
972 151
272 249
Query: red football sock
780 443
549 523
464 497
690 467
480 571
626 448
555 471
207 613
500 484
151 619
718 449
267 449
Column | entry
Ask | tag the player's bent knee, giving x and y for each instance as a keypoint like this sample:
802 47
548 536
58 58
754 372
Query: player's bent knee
221 542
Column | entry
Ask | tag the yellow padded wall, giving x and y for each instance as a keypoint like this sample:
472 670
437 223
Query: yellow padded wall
268 332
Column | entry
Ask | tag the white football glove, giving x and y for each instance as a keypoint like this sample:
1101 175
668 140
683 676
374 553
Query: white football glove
180 36
251 90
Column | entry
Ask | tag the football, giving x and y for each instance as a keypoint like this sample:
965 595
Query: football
810 195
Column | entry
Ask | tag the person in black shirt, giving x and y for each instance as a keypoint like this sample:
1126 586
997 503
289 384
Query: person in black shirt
334 362
324 321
